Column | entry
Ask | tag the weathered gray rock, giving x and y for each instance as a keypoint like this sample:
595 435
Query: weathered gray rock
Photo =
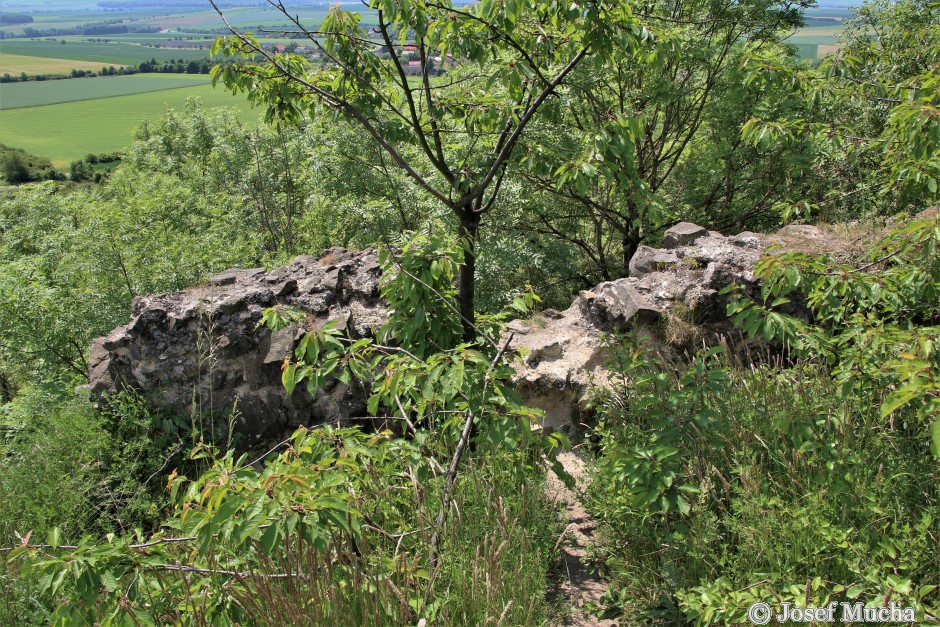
747 240
564 354
682 234
647 260
616 306
202 346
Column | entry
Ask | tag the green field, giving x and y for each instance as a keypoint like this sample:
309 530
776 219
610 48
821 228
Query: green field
814 43
105 53
148 39
39 93
172 20
815 36
71 18
821 33
15 64
246 16
67 132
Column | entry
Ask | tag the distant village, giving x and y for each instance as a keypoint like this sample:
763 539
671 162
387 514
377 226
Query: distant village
409 56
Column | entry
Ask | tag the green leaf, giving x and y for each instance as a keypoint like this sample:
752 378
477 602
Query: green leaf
855 591
53 537
373 405
289 377
563 474
109 581
683 505
270 537
898 399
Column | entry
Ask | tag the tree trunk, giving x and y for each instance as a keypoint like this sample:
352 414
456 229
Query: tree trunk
631 241
6 389
469 224
602 265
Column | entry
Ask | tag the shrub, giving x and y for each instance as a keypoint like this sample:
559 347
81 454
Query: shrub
812 482
342 526
719 486
13 167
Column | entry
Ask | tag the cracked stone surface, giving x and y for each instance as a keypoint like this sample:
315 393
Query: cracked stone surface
202 345
563 353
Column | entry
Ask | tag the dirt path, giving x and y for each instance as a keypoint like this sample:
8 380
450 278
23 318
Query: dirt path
579 586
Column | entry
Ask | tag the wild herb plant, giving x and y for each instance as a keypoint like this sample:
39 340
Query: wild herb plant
720 485
875 323
343 526
811 479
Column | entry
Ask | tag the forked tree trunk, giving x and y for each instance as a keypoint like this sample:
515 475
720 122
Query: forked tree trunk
630 234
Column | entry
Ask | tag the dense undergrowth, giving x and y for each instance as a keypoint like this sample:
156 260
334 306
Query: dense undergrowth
333 531
70 467
449 524
722 478
748 483
810 479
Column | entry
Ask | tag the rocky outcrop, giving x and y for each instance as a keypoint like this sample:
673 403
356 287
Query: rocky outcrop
671 297
201 349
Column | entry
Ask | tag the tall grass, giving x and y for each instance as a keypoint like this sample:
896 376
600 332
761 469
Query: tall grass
494 560
88 473
498 552
796 491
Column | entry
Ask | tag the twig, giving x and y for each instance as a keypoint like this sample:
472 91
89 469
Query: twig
382 347
228 573
563 534
392 536
865 267
753 585
274 448
143 545
179 446
414 431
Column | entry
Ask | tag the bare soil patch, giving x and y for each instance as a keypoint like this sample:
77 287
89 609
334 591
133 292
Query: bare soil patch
580 586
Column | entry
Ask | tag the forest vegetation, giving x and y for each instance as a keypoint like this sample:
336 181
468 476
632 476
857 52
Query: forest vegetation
563 137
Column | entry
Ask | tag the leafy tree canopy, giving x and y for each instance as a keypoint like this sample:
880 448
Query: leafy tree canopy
512 57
